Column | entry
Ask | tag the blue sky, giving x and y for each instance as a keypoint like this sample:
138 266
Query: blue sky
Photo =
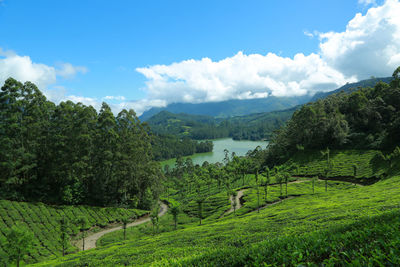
88 50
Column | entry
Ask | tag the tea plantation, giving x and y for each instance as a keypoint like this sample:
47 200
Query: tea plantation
43 221
331 223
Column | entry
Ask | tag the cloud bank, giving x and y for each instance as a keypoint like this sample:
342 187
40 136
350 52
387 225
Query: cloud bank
23 69
370 45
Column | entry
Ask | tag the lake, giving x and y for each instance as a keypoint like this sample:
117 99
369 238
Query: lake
239 147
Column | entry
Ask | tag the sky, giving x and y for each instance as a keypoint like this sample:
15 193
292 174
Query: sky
140 54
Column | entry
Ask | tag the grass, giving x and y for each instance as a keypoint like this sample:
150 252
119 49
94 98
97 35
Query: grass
42 220
349 224
313 163
240 239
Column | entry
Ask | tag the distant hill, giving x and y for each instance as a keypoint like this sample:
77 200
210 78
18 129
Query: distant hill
352 86
230 108
252 127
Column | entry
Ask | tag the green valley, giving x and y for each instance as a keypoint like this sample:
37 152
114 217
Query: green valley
325 191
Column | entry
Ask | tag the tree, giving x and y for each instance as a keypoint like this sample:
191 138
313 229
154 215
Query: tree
258 192
154 217
200 201
396 78
125 221
266 182
278 178
234 202
326 179
83 226
175 210
64 234
286 177
19 242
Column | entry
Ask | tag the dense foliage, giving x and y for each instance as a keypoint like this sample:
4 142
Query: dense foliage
368 118
305 230
69 153
169 146
250 127
43 222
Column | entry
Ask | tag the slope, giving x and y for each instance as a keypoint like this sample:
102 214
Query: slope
245 240
231 108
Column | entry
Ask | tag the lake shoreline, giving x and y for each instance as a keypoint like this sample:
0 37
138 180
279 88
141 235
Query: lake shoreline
217 155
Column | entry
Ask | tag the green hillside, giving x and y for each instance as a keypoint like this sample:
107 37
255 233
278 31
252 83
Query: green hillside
43 221
329 223
250 127
229 108
304 226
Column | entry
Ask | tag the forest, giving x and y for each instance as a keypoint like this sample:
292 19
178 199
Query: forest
169 146
72 154
253 127
367 118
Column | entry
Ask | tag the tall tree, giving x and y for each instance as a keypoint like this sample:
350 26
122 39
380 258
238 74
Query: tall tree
175 210
64 236
19 242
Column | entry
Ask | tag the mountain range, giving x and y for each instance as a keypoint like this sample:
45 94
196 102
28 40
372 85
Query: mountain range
232 108
209 123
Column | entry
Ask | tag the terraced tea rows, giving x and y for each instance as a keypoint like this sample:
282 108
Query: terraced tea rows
42 220
313 163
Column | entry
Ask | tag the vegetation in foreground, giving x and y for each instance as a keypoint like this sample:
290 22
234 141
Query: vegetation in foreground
348 214
44 222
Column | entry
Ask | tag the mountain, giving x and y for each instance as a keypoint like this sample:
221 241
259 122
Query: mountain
230 108
255 126
349 87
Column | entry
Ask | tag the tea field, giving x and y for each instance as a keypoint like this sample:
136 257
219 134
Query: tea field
43 221
348 223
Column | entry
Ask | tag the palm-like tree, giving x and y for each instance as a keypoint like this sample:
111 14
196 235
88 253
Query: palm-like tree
83 225
125 221
175 210
286 177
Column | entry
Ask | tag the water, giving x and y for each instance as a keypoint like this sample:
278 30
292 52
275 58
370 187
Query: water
239 147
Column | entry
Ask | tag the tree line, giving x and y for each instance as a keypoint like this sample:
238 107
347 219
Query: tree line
169 146
250 127
71 154
368 118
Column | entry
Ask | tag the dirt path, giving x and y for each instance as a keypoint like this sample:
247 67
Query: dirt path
238 204
90 241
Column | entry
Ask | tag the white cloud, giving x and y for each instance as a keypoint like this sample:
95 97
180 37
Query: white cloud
309 34
67 70
370 45
241 77
88 101
119 97
23 69
367 2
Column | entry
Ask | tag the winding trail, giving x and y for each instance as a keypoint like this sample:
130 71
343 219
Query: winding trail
238 204
90 241
240 195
